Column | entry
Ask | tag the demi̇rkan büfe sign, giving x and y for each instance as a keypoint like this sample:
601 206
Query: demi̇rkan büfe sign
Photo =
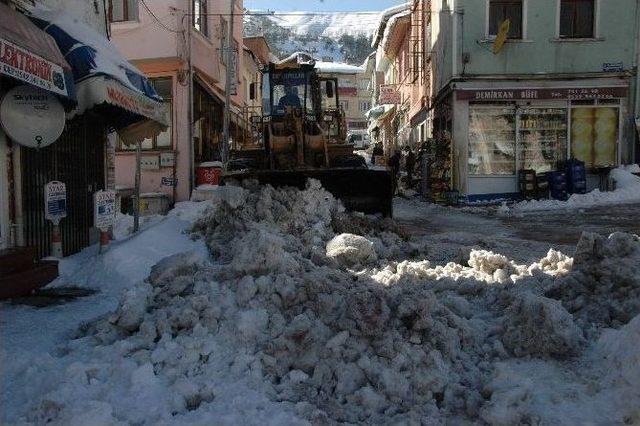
520 94
55 201
23 65
104 209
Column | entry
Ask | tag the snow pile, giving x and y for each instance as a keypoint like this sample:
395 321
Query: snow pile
627 191
311 314
604 288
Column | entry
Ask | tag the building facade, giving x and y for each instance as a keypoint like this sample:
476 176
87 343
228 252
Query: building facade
525 85
181 45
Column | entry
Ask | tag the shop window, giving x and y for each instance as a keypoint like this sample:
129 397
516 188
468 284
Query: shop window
500 11
492 141
594 135
199 19
123 10
164 140
577 18
542 138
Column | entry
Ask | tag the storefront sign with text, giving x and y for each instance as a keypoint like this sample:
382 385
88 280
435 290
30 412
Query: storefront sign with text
25 66
524 94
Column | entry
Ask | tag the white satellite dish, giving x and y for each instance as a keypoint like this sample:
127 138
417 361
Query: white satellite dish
32 117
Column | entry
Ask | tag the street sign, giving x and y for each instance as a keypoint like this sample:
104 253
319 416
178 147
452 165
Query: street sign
55 201
169 181
104 209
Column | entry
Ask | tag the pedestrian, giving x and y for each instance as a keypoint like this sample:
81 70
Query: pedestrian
409 165
394 165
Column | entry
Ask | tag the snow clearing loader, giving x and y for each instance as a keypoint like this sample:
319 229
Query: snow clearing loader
302 134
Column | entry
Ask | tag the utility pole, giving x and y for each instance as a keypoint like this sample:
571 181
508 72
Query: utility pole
224 152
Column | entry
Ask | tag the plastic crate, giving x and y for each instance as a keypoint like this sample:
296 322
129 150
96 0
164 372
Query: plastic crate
559 195
578 187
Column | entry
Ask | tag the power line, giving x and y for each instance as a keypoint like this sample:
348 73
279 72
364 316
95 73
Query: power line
162 24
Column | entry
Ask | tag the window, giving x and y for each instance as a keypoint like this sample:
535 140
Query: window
344 105
365 106
500 11
224 36
594 135
163 87
363 84
200 16
577 18
492 141
123 10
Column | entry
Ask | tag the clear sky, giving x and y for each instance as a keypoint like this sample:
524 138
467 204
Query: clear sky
321 5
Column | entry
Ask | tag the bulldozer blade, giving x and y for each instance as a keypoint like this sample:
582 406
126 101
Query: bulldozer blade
364 190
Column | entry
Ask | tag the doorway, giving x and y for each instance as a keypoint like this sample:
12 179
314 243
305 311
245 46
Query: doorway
4 193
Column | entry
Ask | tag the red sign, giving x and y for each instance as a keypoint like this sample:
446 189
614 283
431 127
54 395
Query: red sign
520 94
25 66
389 95
348 91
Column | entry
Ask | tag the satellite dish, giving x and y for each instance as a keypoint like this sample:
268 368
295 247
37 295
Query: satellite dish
32 117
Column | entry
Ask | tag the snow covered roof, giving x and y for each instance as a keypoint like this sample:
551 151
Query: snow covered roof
384 19
383 59
338 68
301 58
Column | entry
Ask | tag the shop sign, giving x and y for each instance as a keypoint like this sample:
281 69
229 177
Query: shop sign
347 91
104 209
521 94
25 66
613 67
389 95
31 116
117 95
55 201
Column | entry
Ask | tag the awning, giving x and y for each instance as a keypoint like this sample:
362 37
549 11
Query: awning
103 76
420 116
30 55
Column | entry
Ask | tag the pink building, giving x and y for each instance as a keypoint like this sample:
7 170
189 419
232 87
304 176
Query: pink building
181 45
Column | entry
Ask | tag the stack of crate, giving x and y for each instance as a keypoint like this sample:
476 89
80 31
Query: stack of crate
576 177
558 185
527 183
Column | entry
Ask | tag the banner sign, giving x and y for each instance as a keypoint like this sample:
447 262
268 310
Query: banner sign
389 95
573 93
104 209
55 201
23 65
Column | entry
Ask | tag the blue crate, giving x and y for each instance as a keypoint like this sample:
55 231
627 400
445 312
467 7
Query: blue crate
556 177
559 195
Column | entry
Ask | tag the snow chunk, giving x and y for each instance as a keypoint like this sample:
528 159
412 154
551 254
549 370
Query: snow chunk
351 250
539 326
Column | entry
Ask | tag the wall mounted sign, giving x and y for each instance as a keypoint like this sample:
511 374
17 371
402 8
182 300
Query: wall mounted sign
23 65
522 94
389 95
31 116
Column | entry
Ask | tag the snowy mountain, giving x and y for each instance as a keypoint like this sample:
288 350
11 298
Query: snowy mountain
332 36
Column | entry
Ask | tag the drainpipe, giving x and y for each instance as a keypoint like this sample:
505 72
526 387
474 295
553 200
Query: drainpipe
192 177
636 108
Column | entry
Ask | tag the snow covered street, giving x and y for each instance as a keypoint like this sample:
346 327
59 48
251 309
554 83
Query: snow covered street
272 306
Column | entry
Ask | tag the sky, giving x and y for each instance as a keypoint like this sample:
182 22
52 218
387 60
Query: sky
321 5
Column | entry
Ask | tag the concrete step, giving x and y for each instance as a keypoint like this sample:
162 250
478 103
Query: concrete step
22 283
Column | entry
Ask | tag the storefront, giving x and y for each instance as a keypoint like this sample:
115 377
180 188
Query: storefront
36 86
498 132
109 94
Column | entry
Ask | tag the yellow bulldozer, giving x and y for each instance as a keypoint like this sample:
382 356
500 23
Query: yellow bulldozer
302 134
